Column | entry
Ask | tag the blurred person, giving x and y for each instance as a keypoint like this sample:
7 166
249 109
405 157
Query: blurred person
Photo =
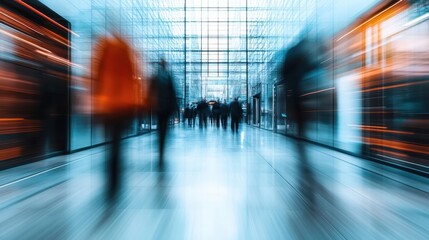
187 115
210 115
116 97
165 103
194 115
236 114
199 113
299 60
224 111
216 113
203 109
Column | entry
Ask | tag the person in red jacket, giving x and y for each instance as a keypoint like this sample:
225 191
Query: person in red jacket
117 95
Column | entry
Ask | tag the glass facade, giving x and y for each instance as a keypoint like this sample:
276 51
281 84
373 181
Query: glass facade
154 28
363 84
216 49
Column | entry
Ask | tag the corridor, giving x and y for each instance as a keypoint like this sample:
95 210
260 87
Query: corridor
216 185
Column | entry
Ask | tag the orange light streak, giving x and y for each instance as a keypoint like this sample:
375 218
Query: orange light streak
323 90
368 126
387 131
16 20
59 59
397 145
354 29
46 17
395 86
56 37
11 119
389 152
10 153
380 129
23 40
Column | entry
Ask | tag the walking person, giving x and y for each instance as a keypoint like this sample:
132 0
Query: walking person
116 97
224 111
203 112
216 113
236 115
165 103
194 115
187 115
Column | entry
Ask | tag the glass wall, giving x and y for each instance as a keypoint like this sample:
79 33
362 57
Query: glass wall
154 28
364 90
222 49
216 49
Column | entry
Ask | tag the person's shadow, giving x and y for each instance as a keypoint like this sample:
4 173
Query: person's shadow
315 204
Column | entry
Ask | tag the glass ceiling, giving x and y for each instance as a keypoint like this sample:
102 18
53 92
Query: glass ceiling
214 47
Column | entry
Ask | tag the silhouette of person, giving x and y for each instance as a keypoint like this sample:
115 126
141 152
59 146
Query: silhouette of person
203 109
194 115
299 60
216 113
224 111
236 114
188 115
116 97
162 86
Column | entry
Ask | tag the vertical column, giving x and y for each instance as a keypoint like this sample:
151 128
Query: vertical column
185 100
247 64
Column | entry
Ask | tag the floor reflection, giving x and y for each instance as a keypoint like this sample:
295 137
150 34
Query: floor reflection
255 185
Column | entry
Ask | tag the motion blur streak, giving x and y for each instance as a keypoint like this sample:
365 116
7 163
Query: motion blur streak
59 59
23 40
319 91
34 72
46 17
345 35
84 85
397 145
395 86
390 152
12 19
368 85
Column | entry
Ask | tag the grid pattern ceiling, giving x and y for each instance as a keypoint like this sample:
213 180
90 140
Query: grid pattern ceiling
216 48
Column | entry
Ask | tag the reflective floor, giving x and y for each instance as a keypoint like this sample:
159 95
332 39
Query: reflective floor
216 185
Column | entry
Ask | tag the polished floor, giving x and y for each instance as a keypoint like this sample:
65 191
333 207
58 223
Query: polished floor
215 185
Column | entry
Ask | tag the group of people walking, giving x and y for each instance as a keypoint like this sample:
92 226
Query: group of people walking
119 95
217 113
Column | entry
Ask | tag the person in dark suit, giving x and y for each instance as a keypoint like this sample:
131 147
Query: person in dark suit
187 115
216 113
165 103
203 110
194 115
299 60
224 111
236 114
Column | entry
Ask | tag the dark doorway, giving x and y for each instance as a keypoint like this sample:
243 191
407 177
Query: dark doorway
257 110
